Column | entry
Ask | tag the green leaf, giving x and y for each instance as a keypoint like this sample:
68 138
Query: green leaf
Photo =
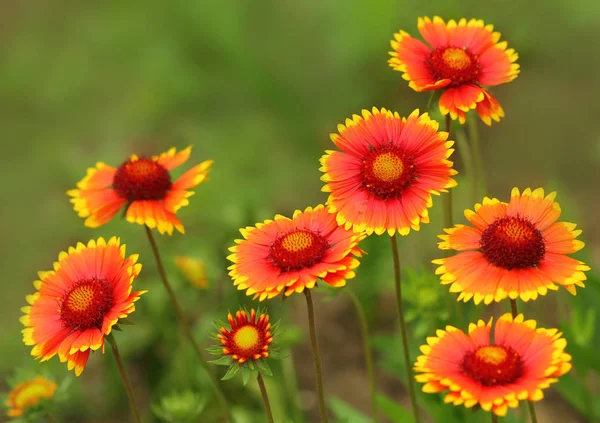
393 411
223 361
344 412
264 368
248 373
231 372
215 350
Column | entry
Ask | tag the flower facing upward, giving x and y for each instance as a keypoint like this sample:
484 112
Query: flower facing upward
28 394
289 255
248 338
79 302
389 166
514 249
460 58
144 185
520 362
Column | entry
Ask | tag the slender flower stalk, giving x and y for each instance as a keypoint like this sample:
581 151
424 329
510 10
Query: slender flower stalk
317 357
364 328
530 406
186 329
478 169
494 418
404 336
448 222
265 397
128 387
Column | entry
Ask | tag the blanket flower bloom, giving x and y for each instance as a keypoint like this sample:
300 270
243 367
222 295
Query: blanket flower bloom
515 249
248 338
144 185
77 304
517 366
460 59
388 169
29 394
289 255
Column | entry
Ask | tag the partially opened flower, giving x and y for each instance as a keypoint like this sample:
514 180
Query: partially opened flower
78 303
28 394
460 59
289 255
144 186
517 365
515 249
388 169
193 269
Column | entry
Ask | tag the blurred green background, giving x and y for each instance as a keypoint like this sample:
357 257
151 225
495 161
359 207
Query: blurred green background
257 85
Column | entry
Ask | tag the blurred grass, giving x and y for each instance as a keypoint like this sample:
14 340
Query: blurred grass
257 86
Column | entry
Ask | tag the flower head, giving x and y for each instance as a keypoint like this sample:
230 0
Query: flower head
515 249
460 58
517 365
29 394
389 166
144 185
289 255
79 302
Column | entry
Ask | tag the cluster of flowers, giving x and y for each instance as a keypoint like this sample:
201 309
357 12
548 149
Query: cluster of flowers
380 180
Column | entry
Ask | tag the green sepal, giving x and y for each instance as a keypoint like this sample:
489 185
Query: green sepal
276 355
116 327
263 367
248 373
232 371
222 361
111 339
215 350
126 322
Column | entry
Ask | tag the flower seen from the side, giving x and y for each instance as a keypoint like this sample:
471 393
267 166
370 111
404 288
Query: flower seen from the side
519 363
290 255
29 394
515 249
78 303
144 186
194 270
460 59
388 169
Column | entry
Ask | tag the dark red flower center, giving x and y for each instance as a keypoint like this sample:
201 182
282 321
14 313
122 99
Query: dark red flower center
454 63
142 179
247 341
86 304
387 171
513 243
493 365
297 250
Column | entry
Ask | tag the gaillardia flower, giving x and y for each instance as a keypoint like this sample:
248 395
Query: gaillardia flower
460 59
194 270
517 365
79 302
247 338
29 394
289 255
513 250
389 166
144 185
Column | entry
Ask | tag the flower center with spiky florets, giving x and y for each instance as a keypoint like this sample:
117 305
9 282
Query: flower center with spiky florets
86 304
493 365
142 179
387 171
513 243
32 392
297 250
457 64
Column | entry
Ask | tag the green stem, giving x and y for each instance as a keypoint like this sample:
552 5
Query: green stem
125 378
404 336
316 356
186 329
513 308
478 173
364 328
494 418
265 397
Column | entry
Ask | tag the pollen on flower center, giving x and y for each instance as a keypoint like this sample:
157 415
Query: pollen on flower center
387 171
142 179
513 243
457 64
246 337
297 250
493 365
86 304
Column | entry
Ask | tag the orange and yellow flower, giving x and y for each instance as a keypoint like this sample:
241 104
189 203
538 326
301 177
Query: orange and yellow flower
388 169
144 185
248 338
516 366
29 394
77 304
194 270
460 59
515 249
289 255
